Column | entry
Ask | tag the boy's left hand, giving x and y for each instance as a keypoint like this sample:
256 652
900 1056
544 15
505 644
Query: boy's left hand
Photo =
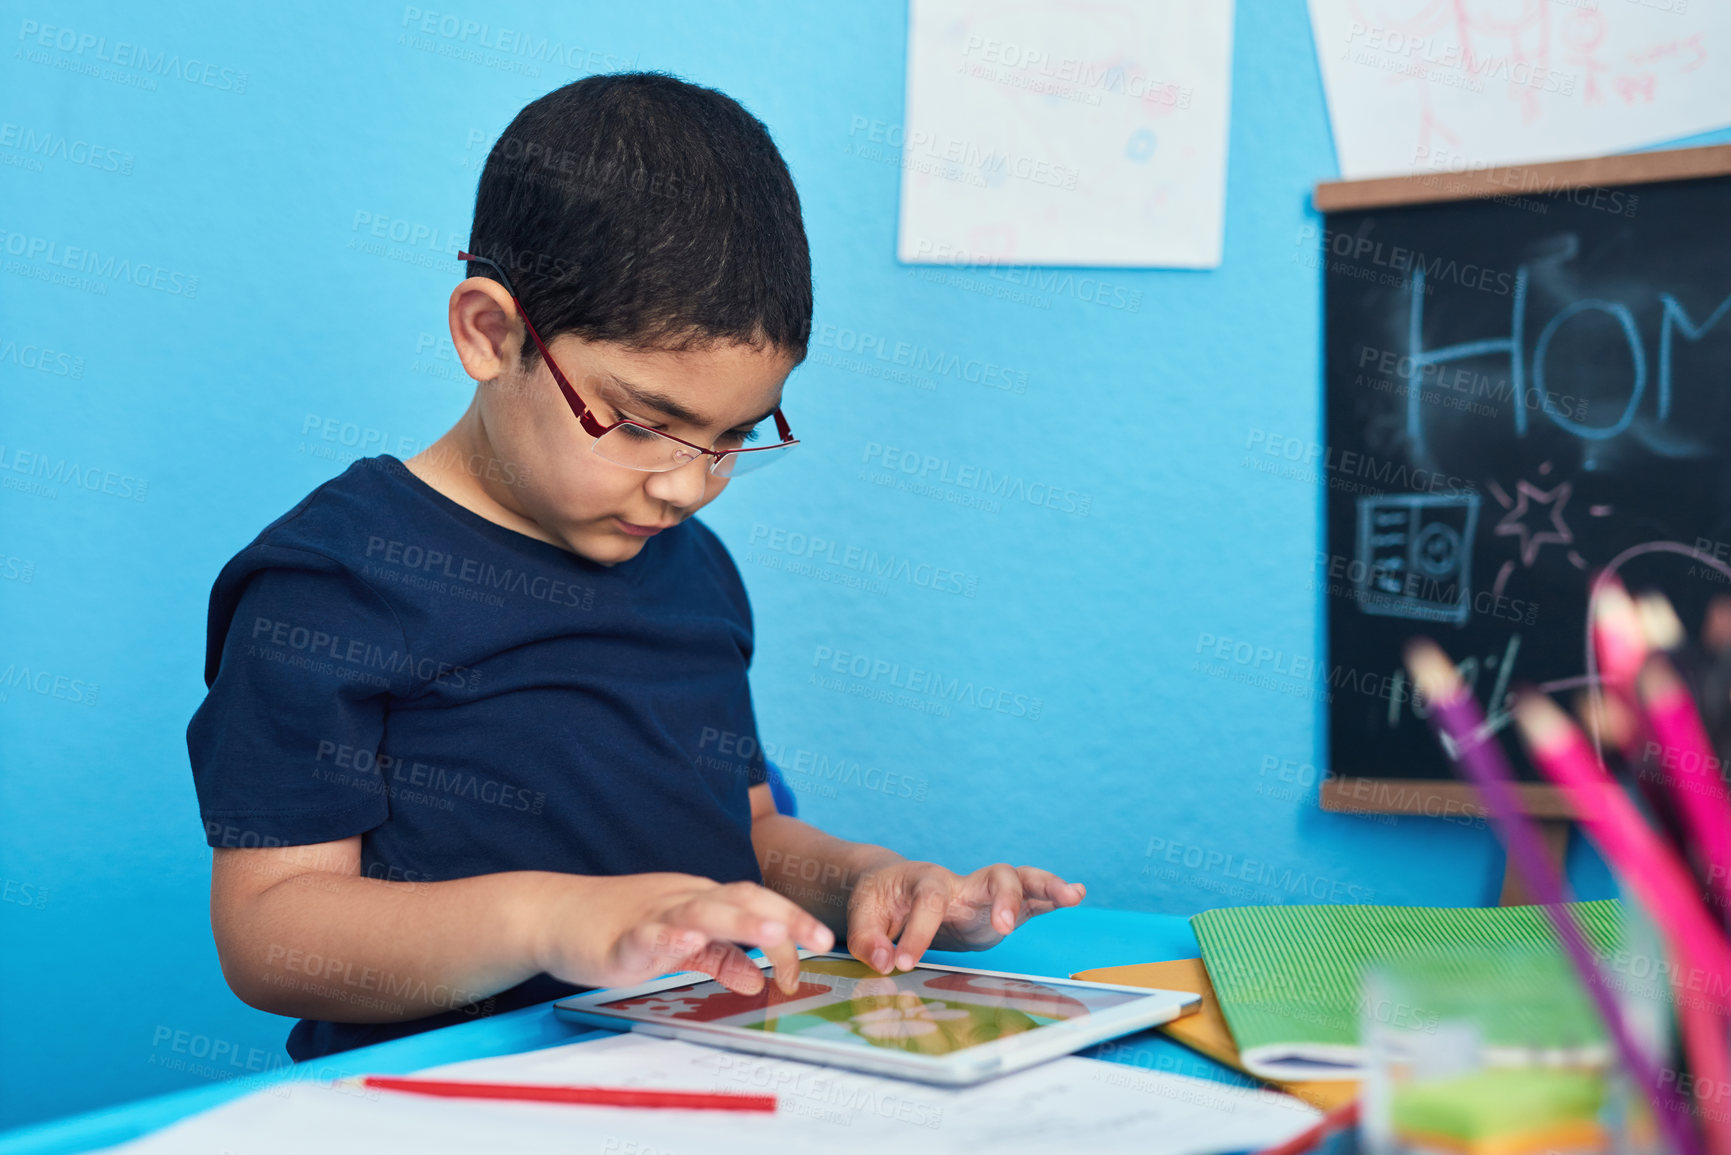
921 905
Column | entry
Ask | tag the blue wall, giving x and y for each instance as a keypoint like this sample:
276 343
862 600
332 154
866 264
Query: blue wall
197 412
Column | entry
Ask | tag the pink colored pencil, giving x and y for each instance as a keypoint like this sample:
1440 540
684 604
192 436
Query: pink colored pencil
1621 644
1617 635
1695 782
1630 638
1646 864
1454 714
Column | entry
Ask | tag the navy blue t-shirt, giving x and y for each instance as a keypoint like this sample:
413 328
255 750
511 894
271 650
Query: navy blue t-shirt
382 661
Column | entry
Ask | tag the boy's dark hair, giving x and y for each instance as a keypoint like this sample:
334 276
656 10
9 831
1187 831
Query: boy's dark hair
638 208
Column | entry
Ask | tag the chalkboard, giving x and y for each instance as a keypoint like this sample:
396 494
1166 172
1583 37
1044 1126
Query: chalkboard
1527 379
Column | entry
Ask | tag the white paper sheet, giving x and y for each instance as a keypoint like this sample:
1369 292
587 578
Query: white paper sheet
1066 1105
1046 132
1429 85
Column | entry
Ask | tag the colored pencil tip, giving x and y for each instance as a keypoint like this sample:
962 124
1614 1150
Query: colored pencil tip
1542 722
1660 625
1609 593
1618 633
1659 682
1607 717
1432 671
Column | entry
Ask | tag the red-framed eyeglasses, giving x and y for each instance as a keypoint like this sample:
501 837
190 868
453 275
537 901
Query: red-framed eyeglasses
636 445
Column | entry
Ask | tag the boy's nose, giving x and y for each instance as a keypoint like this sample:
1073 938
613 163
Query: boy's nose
683 487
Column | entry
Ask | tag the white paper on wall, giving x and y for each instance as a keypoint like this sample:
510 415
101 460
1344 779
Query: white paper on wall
1049 132
1429 85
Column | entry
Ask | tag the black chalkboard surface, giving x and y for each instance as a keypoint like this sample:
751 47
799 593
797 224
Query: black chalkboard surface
1527 379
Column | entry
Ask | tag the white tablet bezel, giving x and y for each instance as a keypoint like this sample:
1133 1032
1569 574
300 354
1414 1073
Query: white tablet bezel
982 1061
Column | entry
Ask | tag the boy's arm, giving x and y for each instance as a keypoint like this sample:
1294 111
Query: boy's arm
301 931
891 910
818 871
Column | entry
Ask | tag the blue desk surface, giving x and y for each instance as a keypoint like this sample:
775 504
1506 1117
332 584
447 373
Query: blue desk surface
1055 944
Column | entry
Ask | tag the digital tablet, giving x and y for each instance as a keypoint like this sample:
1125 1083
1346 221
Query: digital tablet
936 1024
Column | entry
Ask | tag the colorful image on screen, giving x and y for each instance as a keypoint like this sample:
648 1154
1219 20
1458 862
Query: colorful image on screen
924 1011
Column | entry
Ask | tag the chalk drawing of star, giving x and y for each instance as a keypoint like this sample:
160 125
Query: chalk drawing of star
1533 540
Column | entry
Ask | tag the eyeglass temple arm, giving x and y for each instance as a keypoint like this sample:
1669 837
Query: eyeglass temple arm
782 429
581 410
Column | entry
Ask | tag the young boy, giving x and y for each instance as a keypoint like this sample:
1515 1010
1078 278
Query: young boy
478 729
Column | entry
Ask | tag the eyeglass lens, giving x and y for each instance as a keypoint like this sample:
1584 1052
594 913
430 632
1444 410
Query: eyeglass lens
646 450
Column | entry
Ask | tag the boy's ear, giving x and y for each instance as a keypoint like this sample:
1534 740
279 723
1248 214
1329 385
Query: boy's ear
485 328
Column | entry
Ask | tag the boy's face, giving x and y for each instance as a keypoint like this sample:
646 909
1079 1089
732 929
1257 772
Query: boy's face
519 456
597 508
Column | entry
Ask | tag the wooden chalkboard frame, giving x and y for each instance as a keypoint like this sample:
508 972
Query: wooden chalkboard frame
1366 795
1514 180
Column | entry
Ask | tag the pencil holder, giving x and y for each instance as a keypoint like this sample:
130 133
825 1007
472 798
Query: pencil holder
1483 1052
1643 980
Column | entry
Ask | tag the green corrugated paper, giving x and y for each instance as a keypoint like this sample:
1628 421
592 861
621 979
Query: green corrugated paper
1287 977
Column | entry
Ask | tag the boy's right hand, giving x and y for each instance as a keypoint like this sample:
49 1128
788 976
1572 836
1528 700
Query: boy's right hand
627 929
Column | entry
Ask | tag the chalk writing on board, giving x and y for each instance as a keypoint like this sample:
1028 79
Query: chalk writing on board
1569 369
1527 503
1415 555
1674 319
1497 712
1498 703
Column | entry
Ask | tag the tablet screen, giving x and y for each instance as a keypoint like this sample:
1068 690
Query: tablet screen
925 1011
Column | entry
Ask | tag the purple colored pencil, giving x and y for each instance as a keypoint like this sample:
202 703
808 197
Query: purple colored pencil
1454 713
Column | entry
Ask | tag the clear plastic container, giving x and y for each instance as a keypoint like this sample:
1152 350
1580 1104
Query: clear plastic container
1485 1049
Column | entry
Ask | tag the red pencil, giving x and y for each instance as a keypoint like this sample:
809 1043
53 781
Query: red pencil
1307 1140
594 1096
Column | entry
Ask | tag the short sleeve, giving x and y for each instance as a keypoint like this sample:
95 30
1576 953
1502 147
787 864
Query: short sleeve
284 747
